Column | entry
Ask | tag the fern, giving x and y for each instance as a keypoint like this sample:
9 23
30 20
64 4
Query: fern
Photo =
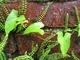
24 57
55 56
49 47
2 19
1 27
44 43
44 55
47 50
3 43
24 6
33 50
44 12
4 8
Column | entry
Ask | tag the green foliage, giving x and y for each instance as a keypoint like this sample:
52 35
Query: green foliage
2 45
4 8
66 21
78 18
49 47
44 55
34 49
28 56
1 27
2 56
35 28
1 1
2 19
24 6
12 21
66 24
74 56
44 43
24 57
47 50
64 41
44 12
55 56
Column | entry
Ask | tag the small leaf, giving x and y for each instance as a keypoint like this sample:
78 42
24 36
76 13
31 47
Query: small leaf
64 42
10 23
35 28
21 18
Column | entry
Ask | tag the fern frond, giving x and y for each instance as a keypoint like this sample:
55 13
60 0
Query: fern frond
33 50
23 57
24 6
5 8
44 12
44 43
1 27
3 43
75 57
2 19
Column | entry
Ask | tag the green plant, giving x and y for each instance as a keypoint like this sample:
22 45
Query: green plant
12 21
4 7
74 56
28 56
78 18
2 45
44 43
24 57
63 40
45 11
13 17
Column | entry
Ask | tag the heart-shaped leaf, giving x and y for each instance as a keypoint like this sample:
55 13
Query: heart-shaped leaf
35 28
64 41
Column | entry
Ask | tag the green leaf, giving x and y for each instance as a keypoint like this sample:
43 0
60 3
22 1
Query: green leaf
21 18
74 56
55 56
35 28
10 23
1 1
64 42
78 29
23 57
